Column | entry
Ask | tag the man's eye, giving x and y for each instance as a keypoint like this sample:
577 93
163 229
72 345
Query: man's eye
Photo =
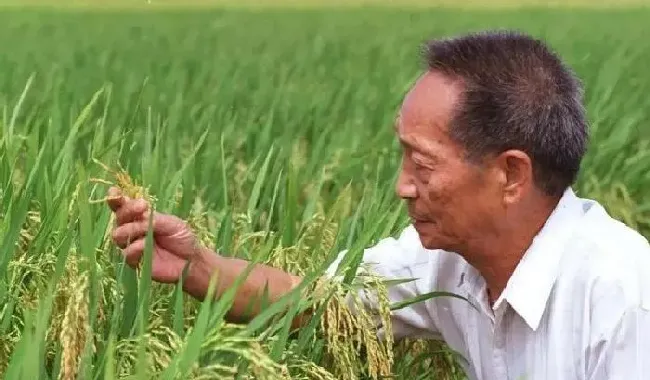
420 163
422 173
422 169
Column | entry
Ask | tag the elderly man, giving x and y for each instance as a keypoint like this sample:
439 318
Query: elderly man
493 134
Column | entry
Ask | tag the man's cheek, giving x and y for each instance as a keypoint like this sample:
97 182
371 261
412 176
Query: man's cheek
437 198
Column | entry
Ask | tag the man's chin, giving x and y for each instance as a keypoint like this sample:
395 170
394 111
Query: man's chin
427 237
422 226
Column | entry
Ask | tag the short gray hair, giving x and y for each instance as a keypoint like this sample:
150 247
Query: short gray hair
517 94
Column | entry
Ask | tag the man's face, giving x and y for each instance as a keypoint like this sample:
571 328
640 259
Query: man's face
450 200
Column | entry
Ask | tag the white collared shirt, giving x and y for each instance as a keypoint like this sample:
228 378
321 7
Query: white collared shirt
577 306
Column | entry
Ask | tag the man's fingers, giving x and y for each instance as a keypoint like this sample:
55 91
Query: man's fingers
163 225
133 253
115 198
131 211
130 232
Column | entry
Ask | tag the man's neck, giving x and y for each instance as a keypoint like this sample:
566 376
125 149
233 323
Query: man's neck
498 255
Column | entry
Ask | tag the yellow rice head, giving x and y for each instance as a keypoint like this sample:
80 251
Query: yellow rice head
124 182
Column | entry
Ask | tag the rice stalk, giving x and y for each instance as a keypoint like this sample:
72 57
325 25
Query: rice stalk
351 327
124 182
75 325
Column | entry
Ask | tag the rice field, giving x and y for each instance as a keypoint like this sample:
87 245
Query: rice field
270 131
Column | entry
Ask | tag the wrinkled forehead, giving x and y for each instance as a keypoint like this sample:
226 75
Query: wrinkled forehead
430 103
424 116
418 136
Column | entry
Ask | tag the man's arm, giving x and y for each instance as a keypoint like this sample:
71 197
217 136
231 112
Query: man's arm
624 353
390 258
245 304
176 246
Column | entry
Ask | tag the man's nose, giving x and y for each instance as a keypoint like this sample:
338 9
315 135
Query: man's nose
405 187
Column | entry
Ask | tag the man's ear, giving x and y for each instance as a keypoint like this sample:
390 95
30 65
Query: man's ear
515 174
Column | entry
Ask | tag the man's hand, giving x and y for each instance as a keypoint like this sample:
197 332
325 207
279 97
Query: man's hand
174 243
175 246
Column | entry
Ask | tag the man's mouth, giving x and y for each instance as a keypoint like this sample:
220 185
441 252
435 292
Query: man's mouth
417 218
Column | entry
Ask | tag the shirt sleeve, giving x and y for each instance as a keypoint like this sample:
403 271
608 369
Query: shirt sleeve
395 259
625 352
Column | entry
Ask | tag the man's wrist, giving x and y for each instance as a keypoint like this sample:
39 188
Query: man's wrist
201 267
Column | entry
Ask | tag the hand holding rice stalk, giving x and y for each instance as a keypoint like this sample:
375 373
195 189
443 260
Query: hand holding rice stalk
125 184
174 246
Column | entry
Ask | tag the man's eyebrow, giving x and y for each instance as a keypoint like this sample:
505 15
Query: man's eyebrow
410 142
399 136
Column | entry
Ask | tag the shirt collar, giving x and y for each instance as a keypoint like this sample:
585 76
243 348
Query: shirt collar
530 285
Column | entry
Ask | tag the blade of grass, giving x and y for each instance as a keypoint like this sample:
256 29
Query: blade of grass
261 176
